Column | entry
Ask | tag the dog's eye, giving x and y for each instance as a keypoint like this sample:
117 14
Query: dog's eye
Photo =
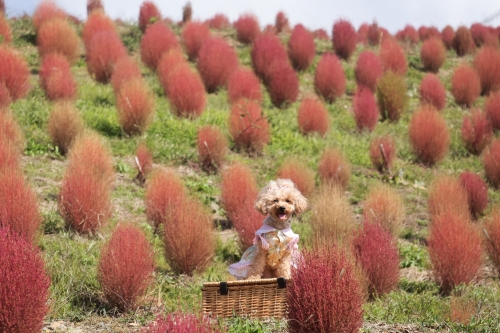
275 200
287 200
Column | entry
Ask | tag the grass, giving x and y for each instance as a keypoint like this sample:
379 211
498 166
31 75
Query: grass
71 260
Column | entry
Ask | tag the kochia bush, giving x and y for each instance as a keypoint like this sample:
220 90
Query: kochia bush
144 162
334 169
446 194
433 54
368 70
14 73
301 48
65 124
448 34
193 35
186 92
169 61
463 42
104 51
126 267
301 175
125 69
465 85
5 31
492 109
247 28
393 57
148 14
382 152
281 22
487 64
329 78
365 109
58 36
243 84
384 206
10 132
248 126
179 322
219 21
313 116
212 147
476 131
96 22
344 39
157 39
477 192
267 50
283 85
492 238
408 35
432 92
46 11
391 96
135 106
491 167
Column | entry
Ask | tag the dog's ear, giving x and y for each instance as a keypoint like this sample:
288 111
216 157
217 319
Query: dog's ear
300 203
261 205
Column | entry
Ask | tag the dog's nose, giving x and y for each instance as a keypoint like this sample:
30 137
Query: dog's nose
282 208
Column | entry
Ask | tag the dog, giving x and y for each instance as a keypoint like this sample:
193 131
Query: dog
275 244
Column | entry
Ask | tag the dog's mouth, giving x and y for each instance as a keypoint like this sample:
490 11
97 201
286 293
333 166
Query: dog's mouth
282 216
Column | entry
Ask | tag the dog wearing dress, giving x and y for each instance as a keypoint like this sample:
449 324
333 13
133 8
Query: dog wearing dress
275 244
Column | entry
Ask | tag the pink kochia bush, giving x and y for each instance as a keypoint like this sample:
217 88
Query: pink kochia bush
186 92
148 14
455 251
217 60
491 156
465 85
334 169
125 69
377 252
243 84
487 64
267 50
492 109
56 78
429 135
301 48
344 39
219 21
492 238
135 106
365 109
14 73
476 131
382 152
313 116
368 70
477 192
247 28
168 63
463 42
24 291
433 54
283 85
194 34
46 11
157 39
329 78
301 175
432 92
180 322
144 162
281 22
96 22
58 36
248 126
212 147
339 305
126 267
393 57
103 53
448 34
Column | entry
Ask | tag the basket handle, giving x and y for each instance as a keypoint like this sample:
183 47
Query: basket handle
223 288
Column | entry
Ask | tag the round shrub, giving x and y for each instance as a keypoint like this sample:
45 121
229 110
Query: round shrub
135 106
186 92
433 54
94 5
24 291
248 127
446 194
157 39
96 22
56 78
243 84
334 169
476 131
462 42
219 21
14 73
338 307
247 28
477 192
217 60
492 238
126 267
5 99
487 64
301 48
375 34
58 36
321 34
313 117
46 11
448 34
193 35
212 147
148 14
432 92
103 53
281 22
368 70
5 31
365 109
168 63
10 132
179 322
392 57
491 167
299 173
267 50
391 96
482 35
408 35
382 152
65 124
10 159
125 69
144 162
329 78
283 85
492 109
383 206
429 135
465 85
344 39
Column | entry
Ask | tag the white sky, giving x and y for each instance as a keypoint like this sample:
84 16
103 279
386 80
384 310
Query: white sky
314 14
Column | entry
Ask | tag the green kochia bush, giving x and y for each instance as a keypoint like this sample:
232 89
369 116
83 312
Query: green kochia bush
391 96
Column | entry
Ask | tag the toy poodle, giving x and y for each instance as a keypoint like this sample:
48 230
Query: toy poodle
275 244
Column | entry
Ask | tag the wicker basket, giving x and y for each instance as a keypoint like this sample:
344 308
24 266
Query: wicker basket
262 298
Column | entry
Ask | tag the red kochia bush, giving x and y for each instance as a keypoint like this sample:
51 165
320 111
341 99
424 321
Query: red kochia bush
217 60
126 267
283 85
455 251
248 126
465 85
446 194
492 109
212 147
463 42
19 206
301 47
339 305
477 192
365 109
313 117
157 39
24 291
432 54
368 70
65 124
329 78
321 34
96 22
58 36
103 53
179 322
168 63
448 34
391 96
135 106
243 84
281 22
429 135
219 22
344 39
476 131
266 51
194 34
163 191
10 133
14 73
5 31
487 64
247 28
375 34
143 161
377 252
45 11
10 159
5 99
382 152
409 35
334 169
392 57
492 238
432 92
148 14
125 69
56 77
301 175
94 5
186 92
491 166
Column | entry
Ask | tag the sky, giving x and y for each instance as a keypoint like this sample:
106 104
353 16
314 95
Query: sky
313 14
